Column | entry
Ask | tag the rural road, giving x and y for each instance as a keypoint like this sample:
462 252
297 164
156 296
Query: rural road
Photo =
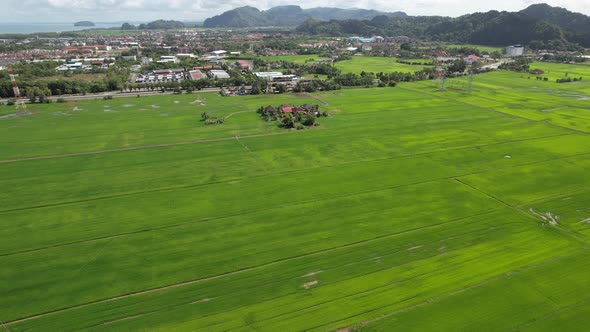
114 94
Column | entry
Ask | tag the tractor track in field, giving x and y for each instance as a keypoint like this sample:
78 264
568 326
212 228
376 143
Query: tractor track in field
499 112
239 271
171 188
139 147
209 219
451 293
133 316
325 103
456 178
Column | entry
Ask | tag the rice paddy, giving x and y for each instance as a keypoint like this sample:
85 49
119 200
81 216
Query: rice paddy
409 208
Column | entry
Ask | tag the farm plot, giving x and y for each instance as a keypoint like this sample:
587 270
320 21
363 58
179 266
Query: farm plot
377 64
405 207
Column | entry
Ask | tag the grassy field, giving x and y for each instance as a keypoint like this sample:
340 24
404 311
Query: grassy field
409 208
299 59
376 64
482 48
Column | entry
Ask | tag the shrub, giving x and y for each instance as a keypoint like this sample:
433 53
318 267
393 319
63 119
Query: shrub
109 97
61 100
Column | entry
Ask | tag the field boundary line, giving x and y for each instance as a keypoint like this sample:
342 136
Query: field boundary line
456 178
324 103
299 277
366 274
139 147
368 291
243 270
443 296
172 188
500 112
551 313
385 285
350 194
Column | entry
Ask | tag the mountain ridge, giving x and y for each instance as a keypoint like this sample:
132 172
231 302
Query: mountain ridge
538 26
289 15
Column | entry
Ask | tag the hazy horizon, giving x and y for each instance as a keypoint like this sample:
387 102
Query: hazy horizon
111 11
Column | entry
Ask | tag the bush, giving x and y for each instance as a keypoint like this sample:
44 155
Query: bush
11 102
109 97
61 100
299 126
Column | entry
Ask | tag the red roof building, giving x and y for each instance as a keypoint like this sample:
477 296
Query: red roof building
244 64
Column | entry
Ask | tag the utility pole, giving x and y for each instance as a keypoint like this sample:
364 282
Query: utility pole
20 103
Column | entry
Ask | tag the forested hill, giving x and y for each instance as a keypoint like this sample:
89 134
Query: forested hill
288 16
538 26
575 25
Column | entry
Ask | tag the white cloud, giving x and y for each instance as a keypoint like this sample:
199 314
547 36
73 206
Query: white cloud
193 10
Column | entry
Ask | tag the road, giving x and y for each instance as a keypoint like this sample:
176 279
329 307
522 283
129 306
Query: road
113 94
496 65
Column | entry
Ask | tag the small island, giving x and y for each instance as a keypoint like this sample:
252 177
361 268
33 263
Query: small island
84 24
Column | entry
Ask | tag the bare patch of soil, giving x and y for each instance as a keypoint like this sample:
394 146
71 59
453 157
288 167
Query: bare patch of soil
551 218
201 300
310 284
311 274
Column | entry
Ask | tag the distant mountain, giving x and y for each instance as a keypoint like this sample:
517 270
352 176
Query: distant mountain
248 16
162 25
563 18
84 24
575 25
538 26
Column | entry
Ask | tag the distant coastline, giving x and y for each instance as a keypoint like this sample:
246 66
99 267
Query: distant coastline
26 28
84 24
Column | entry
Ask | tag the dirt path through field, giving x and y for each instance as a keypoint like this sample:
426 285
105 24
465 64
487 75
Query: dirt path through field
325 103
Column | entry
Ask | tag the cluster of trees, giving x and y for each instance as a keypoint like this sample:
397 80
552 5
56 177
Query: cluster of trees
568 80
316 85
300 117
352 79
68 82
209 119
414 63
391 79
520 64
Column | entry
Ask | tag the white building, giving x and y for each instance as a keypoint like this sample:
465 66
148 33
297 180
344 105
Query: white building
275 76
215 53
267 74
168 58
515 50
218 74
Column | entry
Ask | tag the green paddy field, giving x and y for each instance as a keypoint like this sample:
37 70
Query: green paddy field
408 209
379 64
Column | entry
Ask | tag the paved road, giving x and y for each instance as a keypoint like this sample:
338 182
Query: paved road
496 65
114 94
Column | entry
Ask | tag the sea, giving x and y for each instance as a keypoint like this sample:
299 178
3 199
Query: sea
49 27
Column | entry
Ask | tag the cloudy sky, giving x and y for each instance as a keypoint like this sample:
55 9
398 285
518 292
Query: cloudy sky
198 10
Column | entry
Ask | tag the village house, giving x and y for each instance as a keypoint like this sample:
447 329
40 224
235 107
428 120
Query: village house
471 59
244 65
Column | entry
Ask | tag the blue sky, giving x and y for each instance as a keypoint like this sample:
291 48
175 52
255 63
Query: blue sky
198 10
